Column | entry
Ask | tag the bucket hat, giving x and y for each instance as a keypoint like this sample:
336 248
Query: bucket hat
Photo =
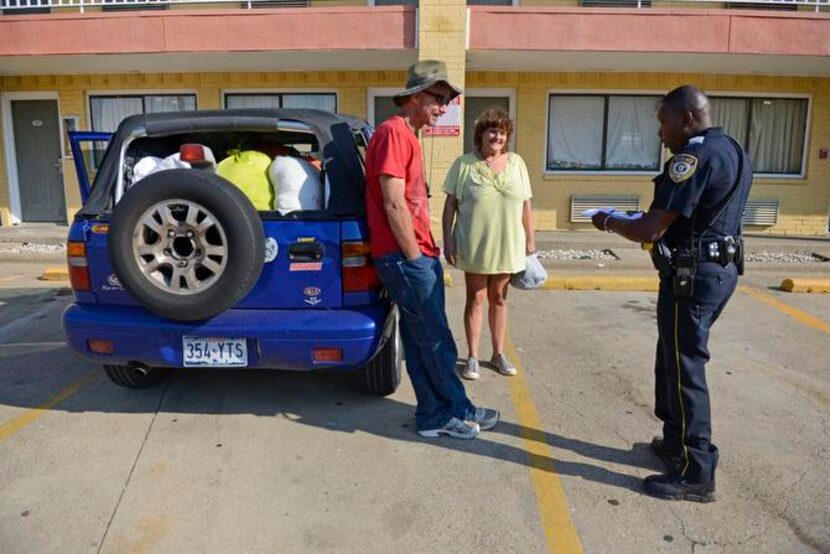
422 75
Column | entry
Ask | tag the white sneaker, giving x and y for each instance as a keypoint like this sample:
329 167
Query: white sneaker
485 418
454 428
504 365
471 369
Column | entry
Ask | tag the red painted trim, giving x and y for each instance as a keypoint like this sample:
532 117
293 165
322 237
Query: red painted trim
304 29
649 30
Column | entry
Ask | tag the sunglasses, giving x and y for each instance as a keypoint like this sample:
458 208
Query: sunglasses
440 98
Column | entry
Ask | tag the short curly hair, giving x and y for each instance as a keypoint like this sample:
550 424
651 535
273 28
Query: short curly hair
493 118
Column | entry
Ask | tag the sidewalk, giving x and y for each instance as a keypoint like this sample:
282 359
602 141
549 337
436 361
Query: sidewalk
35 233
34 242
627 256
623 261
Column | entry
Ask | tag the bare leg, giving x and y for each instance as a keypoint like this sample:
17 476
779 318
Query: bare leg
497 312
473 310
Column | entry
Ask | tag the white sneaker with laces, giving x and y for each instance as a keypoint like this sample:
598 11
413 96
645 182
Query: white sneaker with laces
486 418
454 428
471 369
504 365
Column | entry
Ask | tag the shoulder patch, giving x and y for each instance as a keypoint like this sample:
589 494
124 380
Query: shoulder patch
681 167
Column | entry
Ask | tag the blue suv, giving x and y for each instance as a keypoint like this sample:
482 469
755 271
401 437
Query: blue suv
178 269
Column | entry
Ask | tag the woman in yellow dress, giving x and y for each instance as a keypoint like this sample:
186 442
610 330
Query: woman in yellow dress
488 230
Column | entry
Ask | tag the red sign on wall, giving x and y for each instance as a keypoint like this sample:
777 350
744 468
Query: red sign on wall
449 124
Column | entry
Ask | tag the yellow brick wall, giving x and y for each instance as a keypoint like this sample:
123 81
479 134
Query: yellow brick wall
804 202
442 35
350 86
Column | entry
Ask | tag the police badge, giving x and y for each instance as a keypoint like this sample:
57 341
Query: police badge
682 167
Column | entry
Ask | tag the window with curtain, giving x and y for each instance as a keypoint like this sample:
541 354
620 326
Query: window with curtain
315 100
108 111
603 133
772 130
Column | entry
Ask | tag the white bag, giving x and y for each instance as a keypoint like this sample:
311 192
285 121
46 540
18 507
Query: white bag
296 185
151 164
533 277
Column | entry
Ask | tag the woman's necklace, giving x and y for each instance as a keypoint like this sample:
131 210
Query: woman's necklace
494 158
493 163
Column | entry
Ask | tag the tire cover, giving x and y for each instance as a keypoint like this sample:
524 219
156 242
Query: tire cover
186 244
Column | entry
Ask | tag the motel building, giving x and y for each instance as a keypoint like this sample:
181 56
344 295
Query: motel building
580 78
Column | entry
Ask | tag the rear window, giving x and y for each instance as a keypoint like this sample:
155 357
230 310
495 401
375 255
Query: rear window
289 163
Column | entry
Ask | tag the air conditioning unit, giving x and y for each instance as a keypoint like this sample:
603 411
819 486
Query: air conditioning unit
761 212
581 203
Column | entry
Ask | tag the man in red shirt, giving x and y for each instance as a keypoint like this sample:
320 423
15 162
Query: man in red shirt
406 257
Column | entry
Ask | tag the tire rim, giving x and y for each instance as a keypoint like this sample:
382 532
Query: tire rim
180 246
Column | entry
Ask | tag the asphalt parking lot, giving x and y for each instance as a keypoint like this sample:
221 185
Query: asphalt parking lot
245 461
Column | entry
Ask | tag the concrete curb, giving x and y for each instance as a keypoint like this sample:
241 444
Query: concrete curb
806 285
633 283
55 274
630 283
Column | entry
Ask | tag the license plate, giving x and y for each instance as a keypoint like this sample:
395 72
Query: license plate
214 352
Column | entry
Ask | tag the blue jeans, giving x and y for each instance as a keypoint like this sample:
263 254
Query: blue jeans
417 287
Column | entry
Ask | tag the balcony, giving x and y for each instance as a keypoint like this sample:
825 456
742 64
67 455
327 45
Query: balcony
654 39
218 39
10 7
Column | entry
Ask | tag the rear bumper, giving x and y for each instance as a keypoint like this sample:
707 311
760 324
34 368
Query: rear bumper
279 339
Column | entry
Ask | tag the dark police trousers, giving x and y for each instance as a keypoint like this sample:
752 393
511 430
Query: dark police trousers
681 395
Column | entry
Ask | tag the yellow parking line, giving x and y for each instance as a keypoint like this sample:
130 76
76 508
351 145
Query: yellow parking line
11 427
560 532
795 313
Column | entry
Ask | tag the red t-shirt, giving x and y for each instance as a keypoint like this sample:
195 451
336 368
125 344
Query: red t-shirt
394 150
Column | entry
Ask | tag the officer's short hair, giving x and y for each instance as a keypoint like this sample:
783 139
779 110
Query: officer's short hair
687 98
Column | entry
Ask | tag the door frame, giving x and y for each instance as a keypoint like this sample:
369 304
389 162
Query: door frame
10 152
371 92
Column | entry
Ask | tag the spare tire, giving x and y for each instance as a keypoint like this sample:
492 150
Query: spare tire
186 244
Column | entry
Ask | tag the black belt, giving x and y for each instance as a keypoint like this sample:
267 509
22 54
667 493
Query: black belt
721 251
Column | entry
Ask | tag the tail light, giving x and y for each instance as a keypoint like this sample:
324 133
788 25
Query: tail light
192 153
359 274
322 354
100 346
78 266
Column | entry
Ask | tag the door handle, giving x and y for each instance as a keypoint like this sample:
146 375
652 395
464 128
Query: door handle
59 165
305 252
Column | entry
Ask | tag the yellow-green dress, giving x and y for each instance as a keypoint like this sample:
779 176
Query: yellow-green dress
488 234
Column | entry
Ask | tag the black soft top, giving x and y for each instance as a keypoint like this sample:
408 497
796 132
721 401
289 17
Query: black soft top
334 134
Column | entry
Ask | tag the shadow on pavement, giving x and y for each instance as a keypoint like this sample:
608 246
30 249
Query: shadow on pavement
29 375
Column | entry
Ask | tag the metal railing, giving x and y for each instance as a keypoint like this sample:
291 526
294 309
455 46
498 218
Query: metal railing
10 6
816 4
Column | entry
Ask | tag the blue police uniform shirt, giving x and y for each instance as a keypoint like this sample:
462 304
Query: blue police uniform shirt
695 183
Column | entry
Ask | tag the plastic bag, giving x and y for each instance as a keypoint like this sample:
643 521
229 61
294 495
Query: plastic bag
533 277
248 170
296 185
151 164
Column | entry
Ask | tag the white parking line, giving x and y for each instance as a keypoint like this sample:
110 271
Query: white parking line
10 328
31 344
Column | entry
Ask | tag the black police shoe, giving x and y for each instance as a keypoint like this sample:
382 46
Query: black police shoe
673 461
675 487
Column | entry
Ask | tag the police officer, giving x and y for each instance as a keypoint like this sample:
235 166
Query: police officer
694 225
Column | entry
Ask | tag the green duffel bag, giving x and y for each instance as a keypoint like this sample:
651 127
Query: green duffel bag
248 170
